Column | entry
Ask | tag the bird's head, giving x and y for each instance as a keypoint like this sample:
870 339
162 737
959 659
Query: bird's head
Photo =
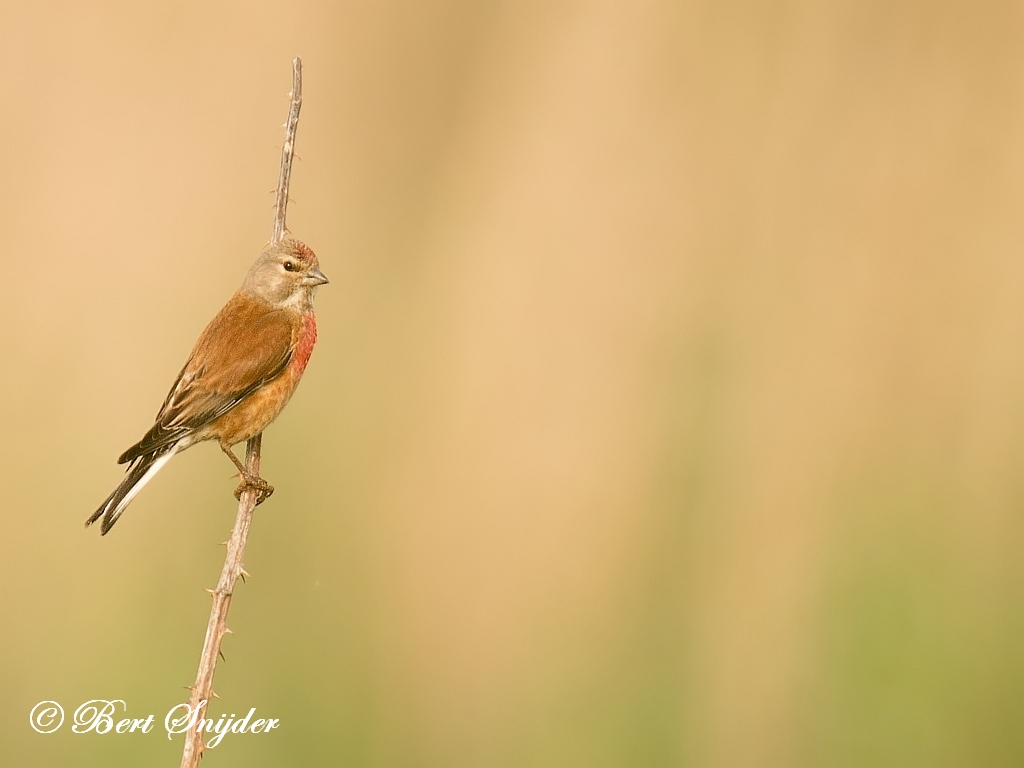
285 275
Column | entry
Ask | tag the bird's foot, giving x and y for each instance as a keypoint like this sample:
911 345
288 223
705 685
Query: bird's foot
263 489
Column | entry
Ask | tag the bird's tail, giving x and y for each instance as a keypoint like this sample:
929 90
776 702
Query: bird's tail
139 473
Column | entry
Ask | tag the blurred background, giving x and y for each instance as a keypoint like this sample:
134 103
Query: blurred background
668 408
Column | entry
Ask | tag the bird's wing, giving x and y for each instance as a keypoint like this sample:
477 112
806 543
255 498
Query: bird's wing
246 345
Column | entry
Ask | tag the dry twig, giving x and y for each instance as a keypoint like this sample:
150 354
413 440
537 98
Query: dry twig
202 690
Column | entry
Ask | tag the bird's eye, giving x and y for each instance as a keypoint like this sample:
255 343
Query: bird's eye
289 266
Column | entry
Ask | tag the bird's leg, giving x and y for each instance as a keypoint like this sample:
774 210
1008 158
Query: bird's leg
262 487
234 459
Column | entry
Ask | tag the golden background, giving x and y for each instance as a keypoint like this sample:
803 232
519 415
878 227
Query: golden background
668 408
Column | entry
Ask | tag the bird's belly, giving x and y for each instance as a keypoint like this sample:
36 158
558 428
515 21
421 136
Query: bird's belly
254 413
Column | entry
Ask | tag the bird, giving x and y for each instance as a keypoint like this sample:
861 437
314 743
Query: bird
243 369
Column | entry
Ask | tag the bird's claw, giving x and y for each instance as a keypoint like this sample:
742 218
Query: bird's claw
263 489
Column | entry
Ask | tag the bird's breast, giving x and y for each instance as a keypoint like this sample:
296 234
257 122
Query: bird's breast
304 344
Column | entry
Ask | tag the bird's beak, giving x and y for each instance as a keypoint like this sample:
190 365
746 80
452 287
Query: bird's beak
315 277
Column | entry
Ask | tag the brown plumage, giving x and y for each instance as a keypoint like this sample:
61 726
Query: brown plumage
240 375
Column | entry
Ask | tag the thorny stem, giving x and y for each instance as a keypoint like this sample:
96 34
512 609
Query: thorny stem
202 690
284 178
